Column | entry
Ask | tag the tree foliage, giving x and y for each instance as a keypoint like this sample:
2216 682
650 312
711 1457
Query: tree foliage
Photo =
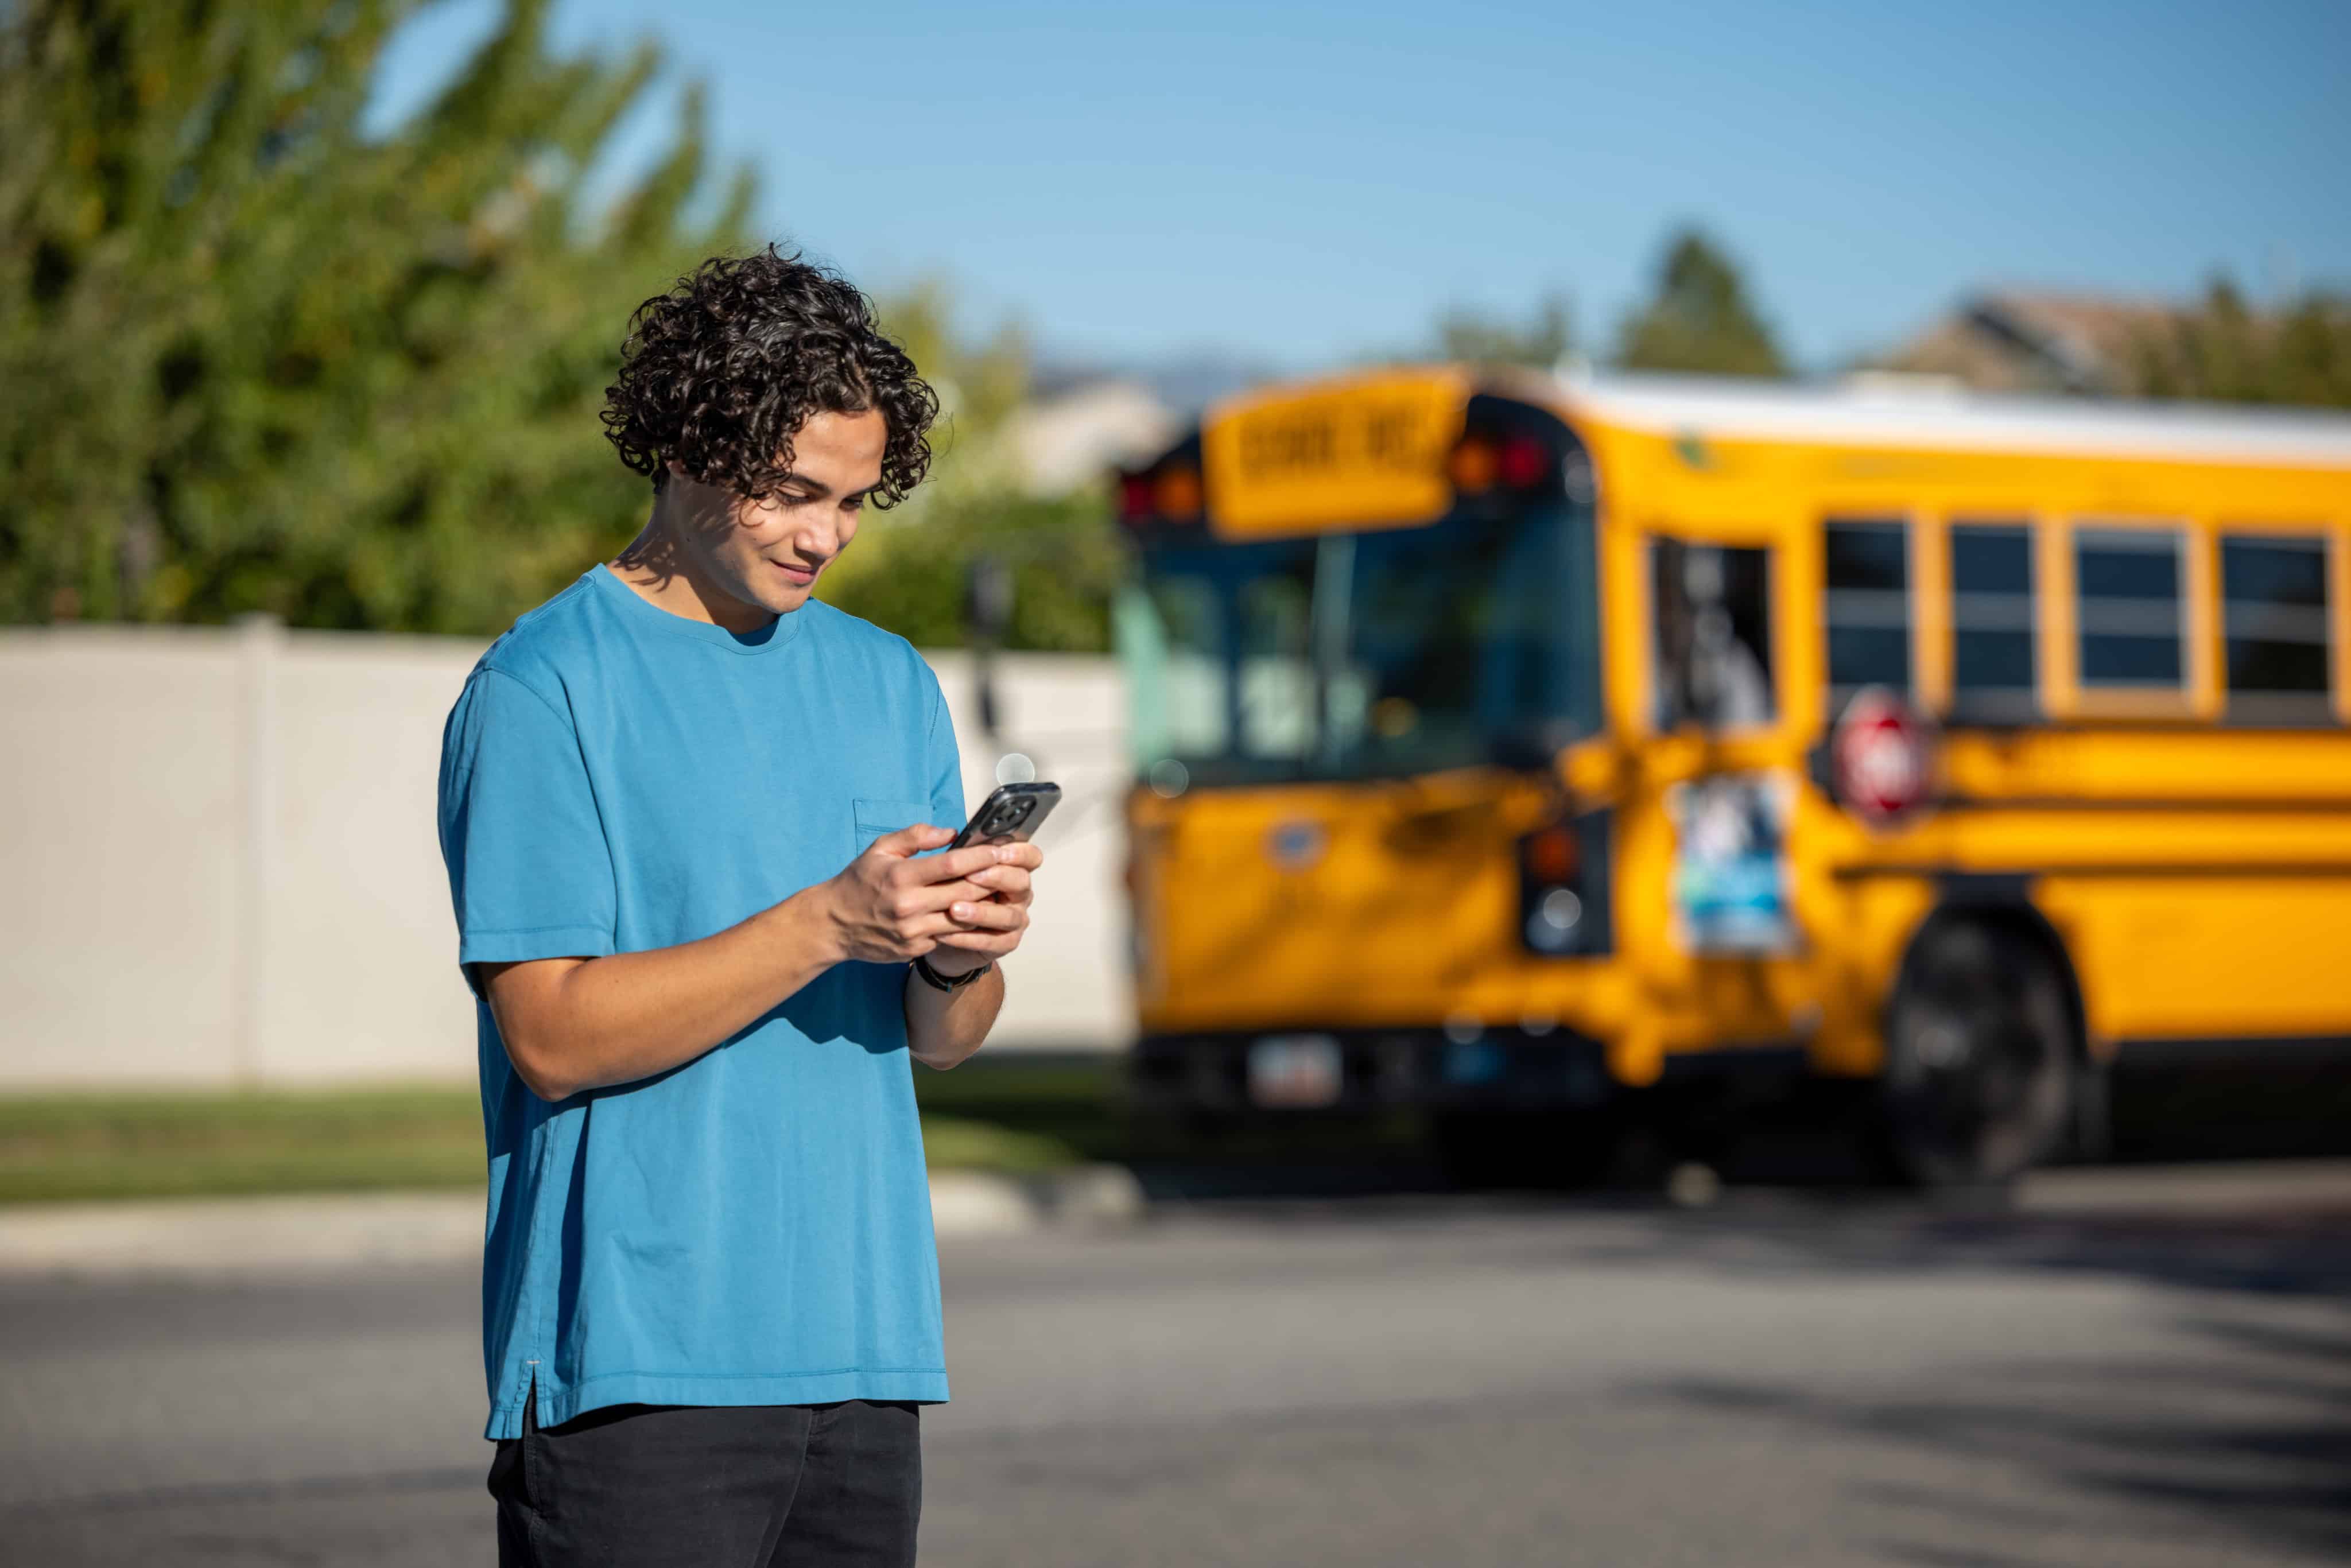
2221 348
259 359
911 574
1699 319
910 567
979 383
1541 341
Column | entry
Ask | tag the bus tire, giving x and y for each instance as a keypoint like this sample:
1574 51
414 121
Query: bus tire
1980 1066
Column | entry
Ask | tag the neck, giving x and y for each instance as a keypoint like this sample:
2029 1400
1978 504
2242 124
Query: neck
666 574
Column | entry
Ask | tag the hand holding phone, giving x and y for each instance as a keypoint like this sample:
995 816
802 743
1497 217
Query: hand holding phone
1011 814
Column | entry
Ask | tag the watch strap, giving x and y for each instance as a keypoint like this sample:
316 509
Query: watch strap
938 981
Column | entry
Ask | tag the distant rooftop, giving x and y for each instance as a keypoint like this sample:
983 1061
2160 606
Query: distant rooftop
1185 384
2027 340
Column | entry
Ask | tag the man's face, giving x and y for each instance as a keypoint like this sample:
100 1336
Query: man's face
769 552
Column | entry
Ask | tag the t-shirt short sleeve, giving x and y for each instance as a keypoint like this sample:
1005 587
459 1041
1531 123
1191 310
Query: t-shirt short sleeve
942 762
529 871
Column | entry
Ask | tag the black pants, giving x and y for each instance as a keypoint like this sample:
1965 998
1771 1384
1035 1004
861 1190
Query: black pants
756 1486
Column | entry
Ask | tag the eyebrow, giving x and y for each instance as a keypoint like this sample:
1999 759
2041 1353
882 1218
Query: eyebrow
818 490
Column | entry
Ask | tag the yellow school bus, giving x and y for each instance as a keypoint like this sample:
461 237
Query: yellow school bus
1509 746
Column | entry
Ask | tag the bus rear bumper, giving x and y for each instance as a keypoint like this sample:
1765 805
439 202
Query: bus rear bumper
1340 1070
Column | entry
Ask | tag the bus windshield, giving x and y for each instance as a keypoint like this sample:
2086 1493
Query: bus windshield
1370 654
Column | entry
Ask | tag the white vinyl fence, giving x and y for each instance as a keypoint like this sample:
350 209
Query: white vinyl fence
220 867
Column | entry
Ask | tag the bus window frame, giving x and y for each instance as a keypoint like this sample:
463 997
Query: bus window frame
2040 705
2304 533
2194 697
1773 544
2338 585
1915 690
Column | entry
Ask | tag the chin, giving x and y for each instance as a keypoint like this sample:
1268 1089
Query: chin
775 595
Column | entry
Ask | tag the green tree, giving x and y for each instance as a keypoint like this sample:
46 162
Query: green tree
979 383
1065 558
2222 349
1541 341
910 568
1699 319
260 359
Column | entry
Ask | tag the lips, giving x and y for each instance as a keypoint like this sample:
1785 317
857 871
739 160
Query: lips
799 576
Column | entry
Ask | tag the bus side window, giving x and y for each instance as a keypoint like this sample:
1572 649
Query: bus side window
2275 617
2128 591
1711 630
1866 606
1995 659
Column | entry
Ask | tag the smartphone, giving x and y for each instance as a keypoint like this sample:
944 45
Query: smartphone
1010 812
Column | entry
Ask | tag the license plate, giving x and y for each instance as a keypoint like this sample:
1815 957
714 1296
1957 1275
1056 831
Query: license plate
1294 1070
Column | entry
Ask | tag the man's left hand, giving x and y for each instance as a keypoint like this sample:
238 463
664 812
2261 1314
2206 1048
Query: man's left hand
986 931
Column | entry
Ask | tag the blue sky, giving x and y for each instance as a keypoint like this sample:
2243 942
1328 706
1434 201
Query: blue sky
1299 183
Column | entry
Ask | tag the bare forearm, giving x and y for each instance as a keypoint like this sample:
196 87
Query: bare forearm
943 1027
602 1021
575 1024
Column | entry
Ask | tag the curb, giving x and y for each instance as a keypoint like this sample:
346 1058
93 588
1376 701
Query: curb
325 1233
976 1203
227 1236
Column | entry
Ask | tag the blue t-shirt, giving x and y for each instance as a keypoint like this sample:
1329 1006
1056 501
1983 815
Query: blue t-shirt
753 1227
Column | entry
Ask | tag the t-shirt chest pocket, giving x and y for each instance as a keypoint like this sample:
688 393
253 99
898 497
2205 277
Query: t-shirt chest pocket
876 816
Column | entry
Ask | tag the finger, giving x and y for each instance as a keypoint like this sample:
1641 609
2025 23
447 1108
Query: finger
988 916
907 842
919 936
933 898
940 931
1008 881
995 944
951 865
1028 857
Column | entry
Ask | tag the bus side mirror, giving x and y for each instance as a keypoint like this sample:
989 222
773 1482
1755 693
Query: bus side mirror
988 616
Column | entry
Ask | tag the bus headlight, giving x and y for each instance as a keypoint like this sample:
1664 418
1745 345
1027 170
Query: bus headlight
1553 924
1561 866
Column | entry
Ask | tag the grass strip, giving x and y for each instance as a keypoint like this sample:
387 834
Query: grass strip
1014 1112
63 1147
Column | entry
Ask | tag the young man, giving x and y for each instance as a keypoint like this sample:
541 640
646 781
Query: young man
685 810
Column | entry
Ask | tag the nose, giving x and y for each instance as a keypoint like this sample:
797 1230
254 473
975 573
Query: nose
818 542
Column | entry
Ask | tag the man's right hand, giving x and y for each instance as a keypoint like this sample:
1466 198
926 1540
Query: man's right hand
887 906
588 1022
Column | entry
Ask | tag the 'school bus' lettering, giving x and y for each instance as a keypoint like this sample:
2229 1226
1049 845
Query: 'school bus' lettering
1369 452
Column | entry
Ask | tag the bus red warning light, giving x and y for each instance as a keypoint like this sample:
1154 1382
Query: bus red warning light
1881 759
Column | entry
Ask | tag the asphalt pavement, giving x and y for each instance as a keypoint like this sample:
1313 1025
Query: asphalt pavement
2154 1371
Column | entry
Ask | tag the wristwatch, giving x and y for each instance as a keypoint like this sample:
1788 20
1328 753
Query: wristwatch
938 981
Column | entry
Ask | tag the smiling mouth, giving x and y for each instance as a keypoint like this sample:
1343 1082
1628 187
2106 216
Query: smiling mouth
799 574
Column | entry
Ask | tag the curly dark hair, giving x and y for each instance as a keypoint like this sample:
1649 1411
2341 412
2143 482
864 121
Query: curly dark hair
720 373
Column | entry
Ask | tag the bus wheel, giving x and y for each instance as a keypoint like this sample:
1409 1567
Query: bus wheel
1551 1151
1978 1081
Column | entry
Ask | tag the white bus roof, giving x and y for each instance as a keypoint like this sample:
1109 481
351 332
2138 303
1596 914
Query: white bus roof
1870 410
